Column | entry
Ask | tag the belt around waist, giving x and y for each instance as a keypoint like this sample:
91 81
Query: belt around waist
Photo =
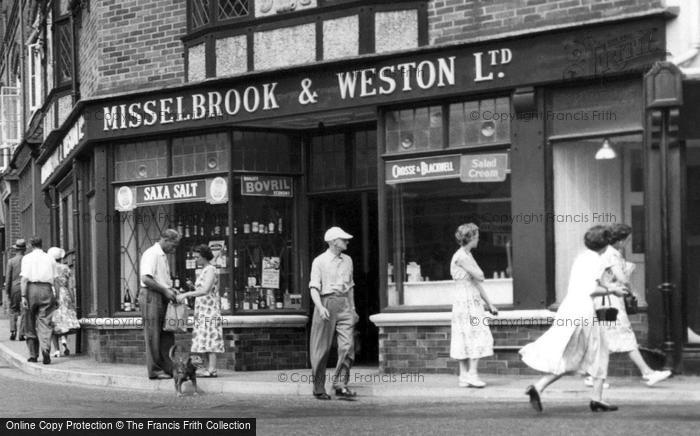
335 294
40 283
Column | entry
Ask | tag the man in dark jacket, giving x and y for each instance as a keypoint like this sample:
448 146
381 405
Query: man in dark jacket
13 288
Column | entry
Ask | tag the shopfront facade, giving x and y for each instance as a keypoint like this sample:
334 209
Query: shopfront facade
398 149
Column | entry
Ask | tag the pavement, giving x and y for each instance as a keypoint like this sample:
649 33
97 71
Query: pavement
367 381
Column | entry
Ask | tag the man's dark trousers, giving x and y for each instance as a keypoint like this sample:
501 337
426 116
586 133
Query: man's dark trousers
158 342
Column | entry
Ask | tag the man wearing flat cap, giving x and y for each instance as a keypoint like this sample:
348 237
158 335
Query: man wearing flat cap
331 288
13 288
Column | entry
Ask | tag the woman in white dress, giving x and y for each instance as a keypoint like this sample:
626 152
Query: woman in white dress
471 337
620 335
576 341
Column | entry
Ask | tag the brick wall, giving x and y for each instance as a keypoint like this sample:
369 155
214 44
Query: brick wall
128 45
460 20
426 349
253 349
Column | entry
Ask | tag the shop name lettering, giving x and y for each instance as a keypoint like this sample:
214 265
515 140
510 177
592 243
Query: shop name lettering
356 84
162 192
421 169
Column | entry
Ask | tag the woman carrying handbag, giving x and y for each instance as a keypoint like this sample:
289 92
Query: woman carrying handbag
619 334
575 342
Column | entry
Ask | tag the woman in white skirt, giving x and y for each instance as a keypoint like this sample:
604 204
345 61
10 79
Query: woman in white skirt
620 335
471 337
576 341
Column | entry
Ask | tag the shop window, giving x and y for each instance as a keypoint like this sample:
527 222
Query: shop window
263 258
200 154
252 151
590 192
423 217
479 122
140 160
415 129
328 162
139 229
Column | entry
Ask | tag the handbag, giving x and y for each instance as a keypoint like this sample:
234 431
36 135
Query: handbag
175 318
631 304
606 313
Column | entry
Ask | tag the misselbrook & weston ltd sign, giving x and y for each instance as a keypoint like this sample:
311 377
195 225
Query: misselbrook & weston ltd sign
584 51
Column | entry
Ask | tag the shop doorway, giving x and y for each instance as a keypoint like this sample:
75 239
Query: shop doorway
356 213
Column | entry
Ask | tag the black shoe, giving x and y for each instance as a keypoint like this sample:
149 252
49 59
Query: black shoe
46 358
535 401
12 336
344 393
323 396
66 350
599 406
21 338
31 359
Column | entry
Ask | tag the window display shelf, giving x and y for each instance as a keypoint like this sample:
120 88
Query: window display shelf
444 292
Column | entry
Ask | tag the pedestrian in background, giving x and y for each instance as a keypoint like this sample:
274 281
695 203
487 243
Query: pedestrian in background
155 293
331 287
471 337
13 285
207 334
576 341
38 278
64 317
620 336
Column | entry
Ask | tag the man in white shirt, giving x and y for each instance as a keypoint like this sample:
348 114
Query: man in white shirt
38 275
332 291
156 290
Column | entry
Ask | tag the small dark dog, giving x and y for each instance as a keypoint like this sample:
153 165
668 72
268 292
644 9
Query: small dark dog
183 369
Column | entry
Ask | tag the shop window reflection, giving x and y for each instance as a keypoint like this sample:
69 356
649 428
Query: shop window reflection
140 160
412 130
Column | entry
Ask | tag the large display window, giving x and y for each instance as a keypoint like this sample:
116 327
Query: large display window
263 257
428 195
598 181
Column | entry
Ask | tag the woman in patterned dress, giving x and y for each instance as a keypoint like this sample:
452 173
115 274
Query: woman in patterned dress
207 335
576 341
64 317
471 337
620 335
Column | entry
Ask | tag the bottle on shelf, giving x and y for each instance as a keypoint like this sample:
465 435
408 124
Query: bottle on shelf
262 299
279 224
217 227
201 227
254 303
252 274
195 229
271 222
127 300
287 298
225 303
246 299
180 229
246 225
279 299
254 226
235 228
226 229
236 260
271 301
223 259
187 234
